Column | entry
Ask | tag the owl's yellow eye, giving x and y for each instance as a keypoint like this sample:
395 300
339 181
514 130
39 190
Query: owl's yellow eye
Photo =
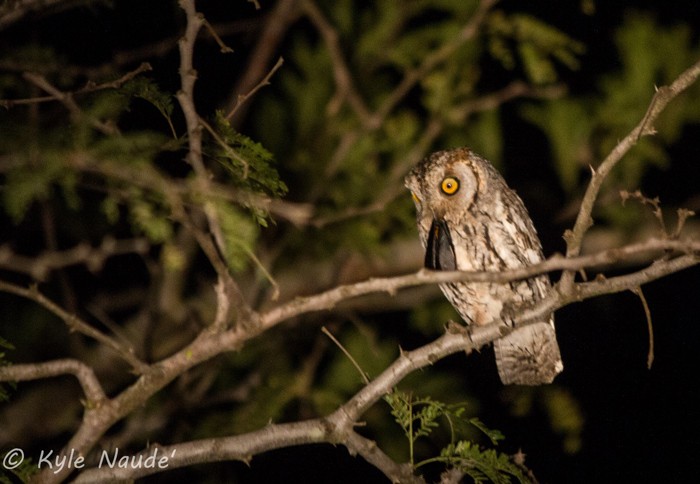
415 198
449 185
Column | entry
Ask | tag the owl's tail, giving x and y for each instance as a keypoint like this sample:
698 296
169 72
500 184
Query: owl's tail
529 355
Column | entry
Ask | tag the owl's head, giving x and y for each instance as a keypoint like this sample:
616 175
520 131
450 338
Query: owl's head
445 186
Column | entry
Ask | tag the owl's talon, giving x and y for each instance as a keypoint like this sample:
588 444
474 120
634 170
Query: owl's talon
453 327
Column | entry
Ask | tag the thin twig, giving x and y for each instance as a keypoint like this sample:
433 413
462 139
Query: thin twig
242 98
345 85
432 60
225 146
278 21
67 100
39 266
650 328
354 362
224 49
74 323
89 88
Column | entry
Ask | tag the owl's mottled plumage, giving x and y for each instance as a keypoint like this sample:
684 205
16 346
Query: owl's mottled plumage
468 219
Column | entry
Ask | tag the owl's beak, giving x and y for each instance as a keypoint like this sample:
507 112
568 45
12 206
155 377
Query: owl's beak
439 253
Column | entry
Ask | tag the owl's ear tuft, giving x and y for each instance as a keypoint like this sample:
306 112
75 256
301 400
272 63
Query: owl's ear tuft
439 254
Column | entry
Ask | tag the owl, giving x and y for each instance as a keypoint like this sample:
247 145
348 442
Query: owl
468 219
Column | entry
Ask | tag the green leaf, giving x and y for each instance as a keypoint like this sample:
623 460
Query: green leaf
133 147
31 182
240 233
494 435
148 90
538 45
250 164
149 216
22 473
110 208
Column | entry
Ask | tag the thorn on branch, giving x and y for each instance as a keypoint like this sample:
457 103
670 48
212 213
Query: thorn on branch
654 203
683 214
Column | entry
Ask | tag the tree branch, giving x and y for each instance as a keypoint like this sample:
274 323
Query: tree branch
57 95
369 450
412 77
636 253
12 12
67 100
284 13
345 86
35 371
39 266
74 323
337 428
584 221
242 98
434 59
185 97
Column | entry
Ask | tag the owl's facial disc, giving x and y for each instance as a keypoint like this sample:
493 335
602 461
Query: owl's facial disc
439 253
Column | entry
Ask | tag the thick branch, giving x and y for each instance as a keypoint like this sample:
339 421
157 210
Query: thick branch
369 450
637 253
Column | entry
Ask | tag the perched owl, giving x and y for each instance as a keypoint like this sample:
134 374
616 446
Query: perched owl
468 219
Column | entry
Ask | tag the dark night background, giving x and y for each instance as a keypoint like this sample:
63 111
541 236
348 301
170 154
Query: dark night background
640 425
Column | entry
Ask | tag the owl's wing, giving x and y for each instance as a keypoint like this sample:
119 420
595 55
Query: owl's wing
440 254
